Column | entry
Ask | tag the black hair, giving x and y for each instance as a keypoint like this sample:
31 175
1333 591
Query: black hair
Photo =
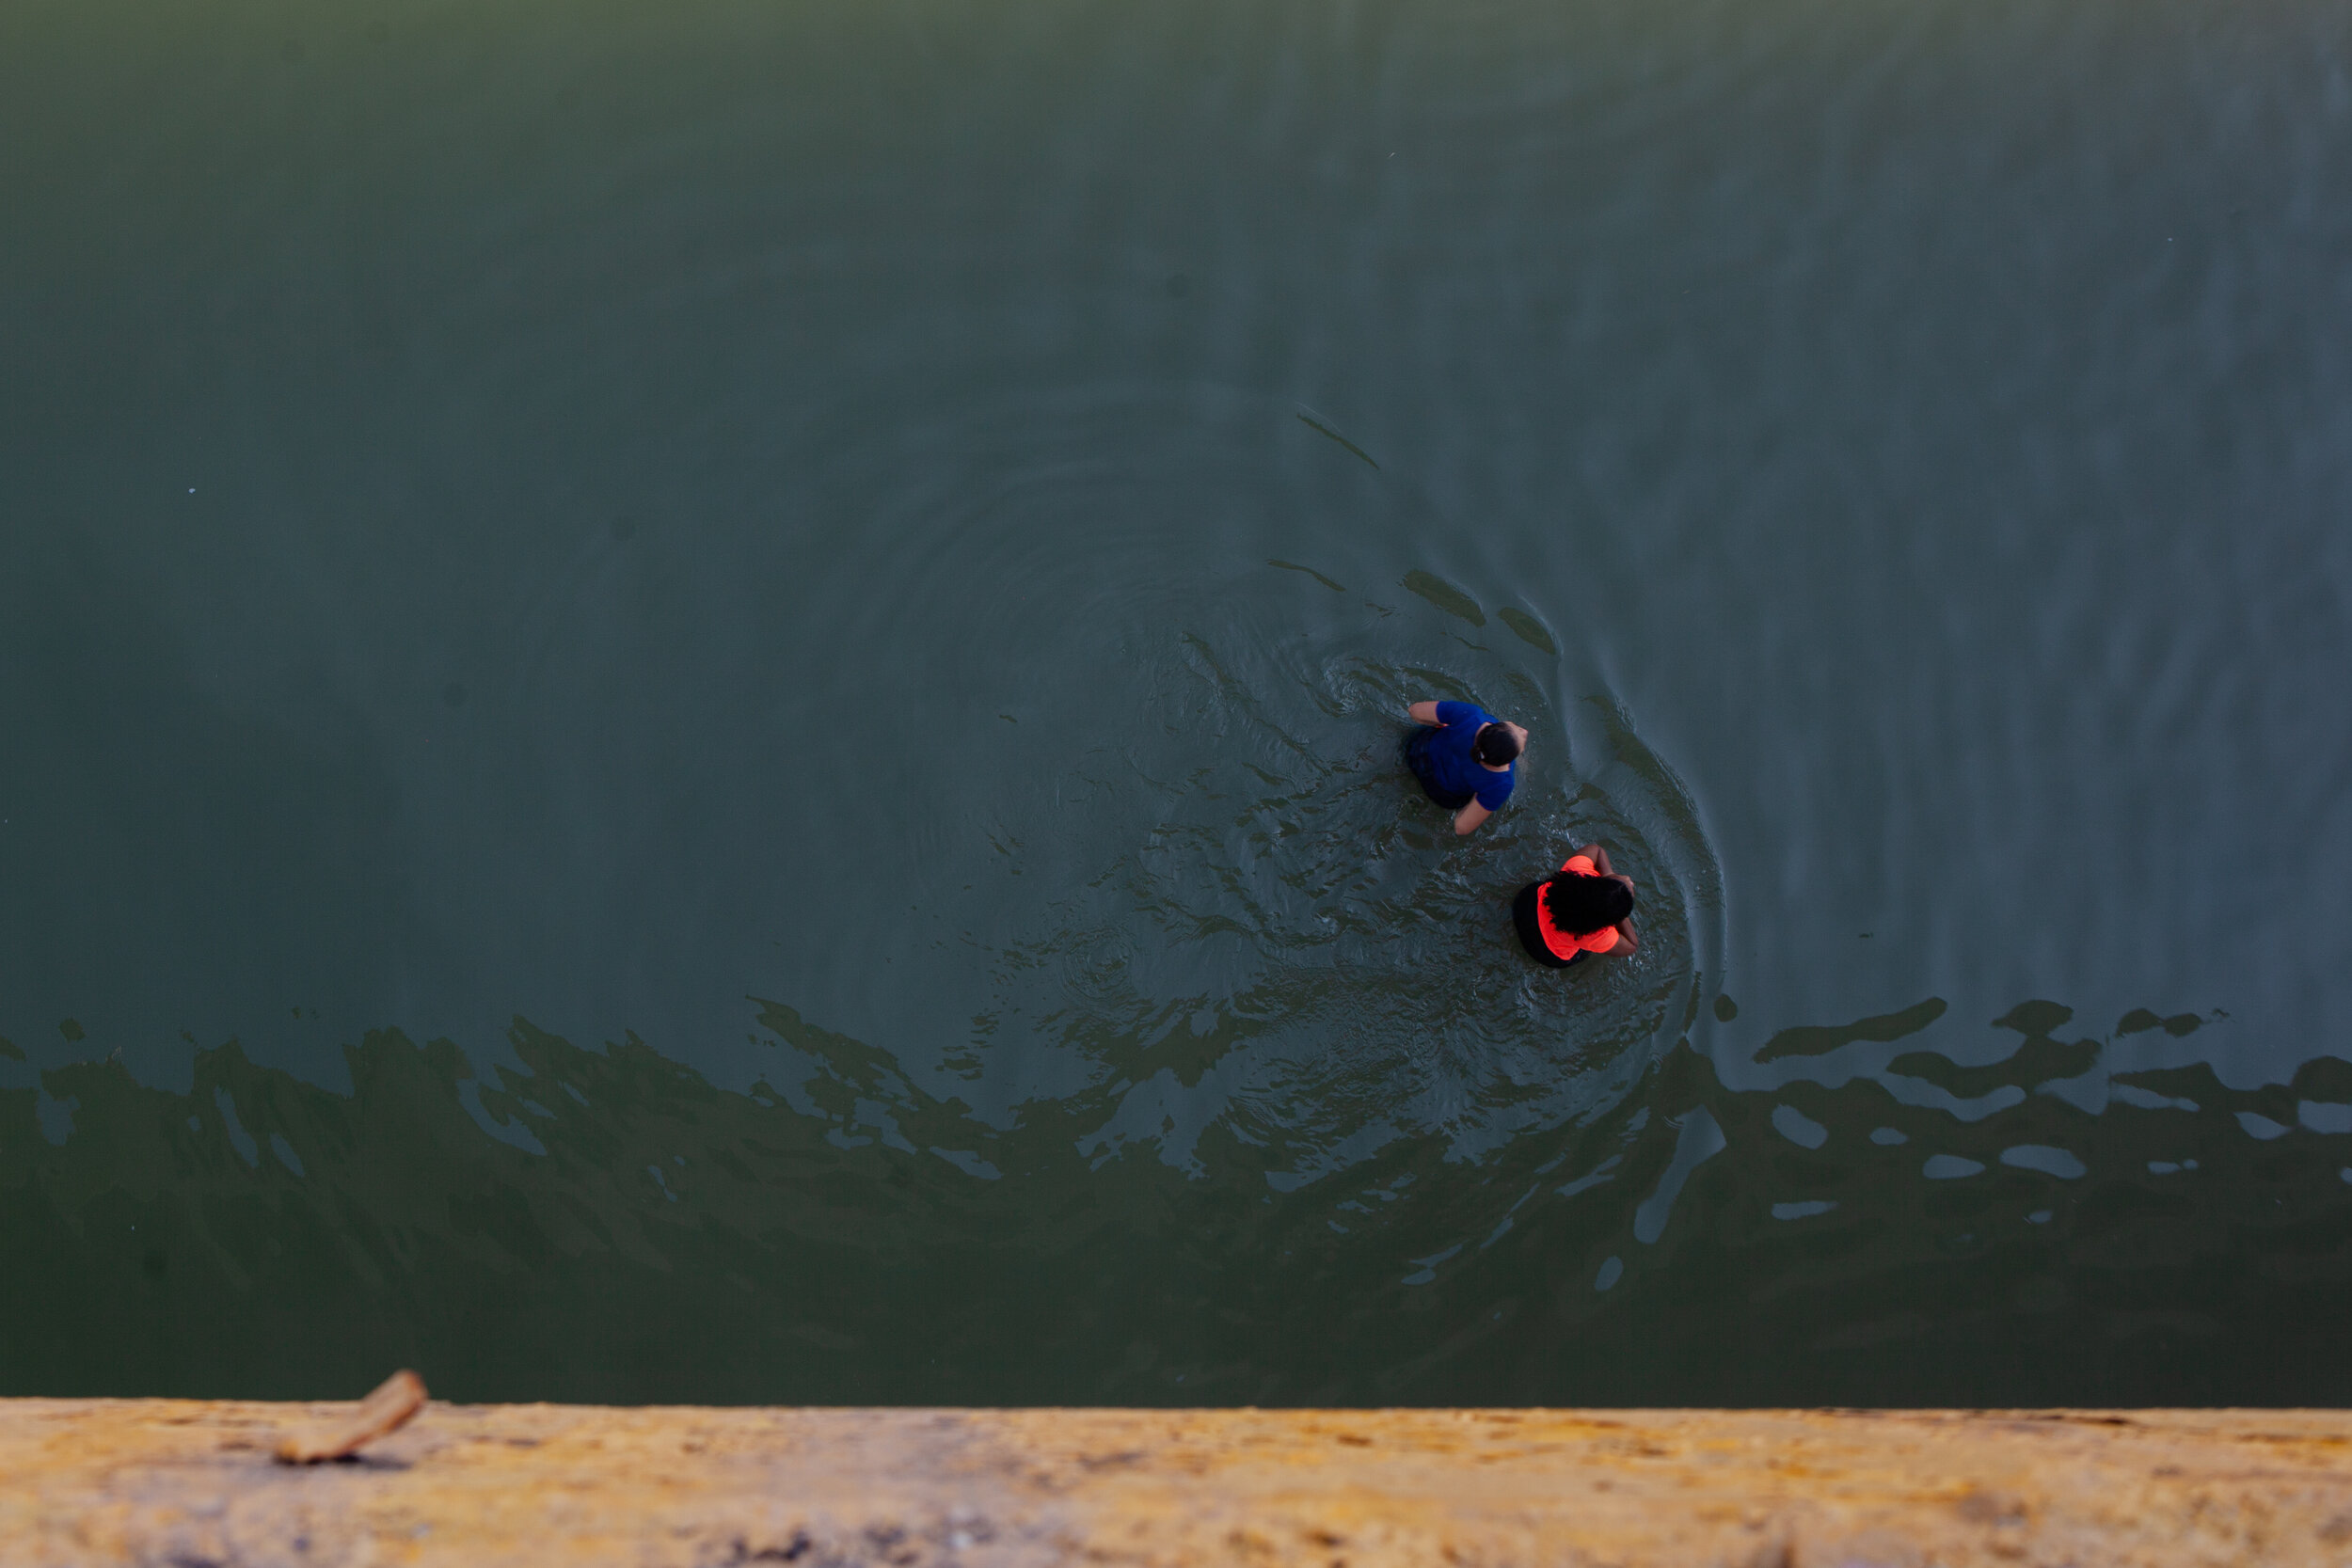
1494 746
1582 905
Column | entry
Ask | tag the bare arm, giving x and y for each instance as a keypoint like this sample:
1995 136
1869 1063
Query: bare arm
1423 713
1599 858
1469 818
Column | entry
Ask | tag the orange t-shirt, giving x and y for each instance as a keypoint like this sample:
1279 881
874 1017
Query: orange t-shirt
1564 944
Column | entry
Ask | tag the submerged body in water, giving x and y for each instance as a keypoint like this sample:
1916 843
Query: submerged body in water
1584 910
1466 759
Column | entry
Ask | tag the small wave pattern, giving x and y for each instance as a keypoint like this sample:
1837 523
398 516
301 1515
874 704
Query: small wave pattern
1296 947
1185 863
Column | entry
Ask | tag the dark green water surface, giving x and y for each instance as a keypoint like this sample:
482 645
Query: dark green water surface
699 700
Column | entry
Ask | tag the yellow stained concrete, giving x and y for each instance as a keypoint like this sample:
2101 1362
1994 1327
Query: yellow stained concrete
91 1483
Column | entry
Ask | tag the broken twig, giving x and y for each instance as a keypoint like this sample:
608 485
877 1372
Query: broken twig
387 1410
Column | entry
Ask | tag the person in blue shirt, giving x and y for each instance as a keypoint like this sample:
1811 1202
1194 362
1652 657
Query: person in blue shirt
1466 759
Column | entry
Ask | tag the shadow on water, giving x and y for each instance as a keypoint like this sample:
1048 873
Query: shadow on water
2056 1226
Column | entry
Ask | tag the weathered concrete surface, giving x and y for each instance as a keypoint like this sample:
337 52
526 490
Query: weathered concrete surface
89 1483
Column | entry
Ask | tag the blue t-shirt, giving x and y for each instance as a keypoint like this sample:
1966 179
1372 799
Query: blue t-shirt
1451 764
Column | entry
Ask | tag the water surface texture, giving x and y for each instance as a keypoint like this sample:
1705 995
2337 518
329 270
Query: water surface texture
700 702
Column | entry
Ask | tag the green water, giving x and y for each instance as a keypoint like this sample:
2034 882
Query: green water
700 703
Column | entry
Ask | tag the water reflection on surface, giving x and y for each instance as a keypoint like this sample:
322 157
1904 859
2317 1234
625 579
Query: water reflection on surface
932 516
606 1223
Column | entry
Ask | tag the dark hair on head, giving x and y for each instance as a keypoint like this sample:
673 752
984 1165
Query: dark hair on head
1582 905
1494 746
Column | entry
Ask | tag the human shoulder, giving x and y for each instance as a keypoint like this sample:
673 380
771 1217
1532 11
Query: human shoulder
1451 713
1494 788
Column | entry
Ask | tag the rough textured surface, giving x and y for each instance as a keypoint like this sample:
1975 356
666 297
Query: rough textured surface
185 1483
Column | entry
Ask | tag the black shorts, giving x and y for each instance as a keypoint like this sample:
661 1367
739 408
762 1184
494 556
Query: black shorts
1417 758
1530 934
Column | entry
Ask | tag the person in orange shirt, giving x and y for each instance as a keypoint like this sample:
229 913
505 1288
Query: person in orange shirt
1586 908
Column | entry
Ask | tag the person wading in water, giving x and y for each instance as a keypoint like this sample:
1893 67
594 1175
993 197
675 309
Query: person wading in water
1586 909
1465 757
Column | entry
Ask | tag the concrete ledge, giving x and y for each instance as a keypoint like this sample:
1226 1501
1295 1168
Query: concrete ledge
92 1482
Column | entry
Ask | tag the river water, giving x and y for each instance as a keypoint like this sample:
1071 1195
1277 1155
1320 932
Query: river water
699 702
